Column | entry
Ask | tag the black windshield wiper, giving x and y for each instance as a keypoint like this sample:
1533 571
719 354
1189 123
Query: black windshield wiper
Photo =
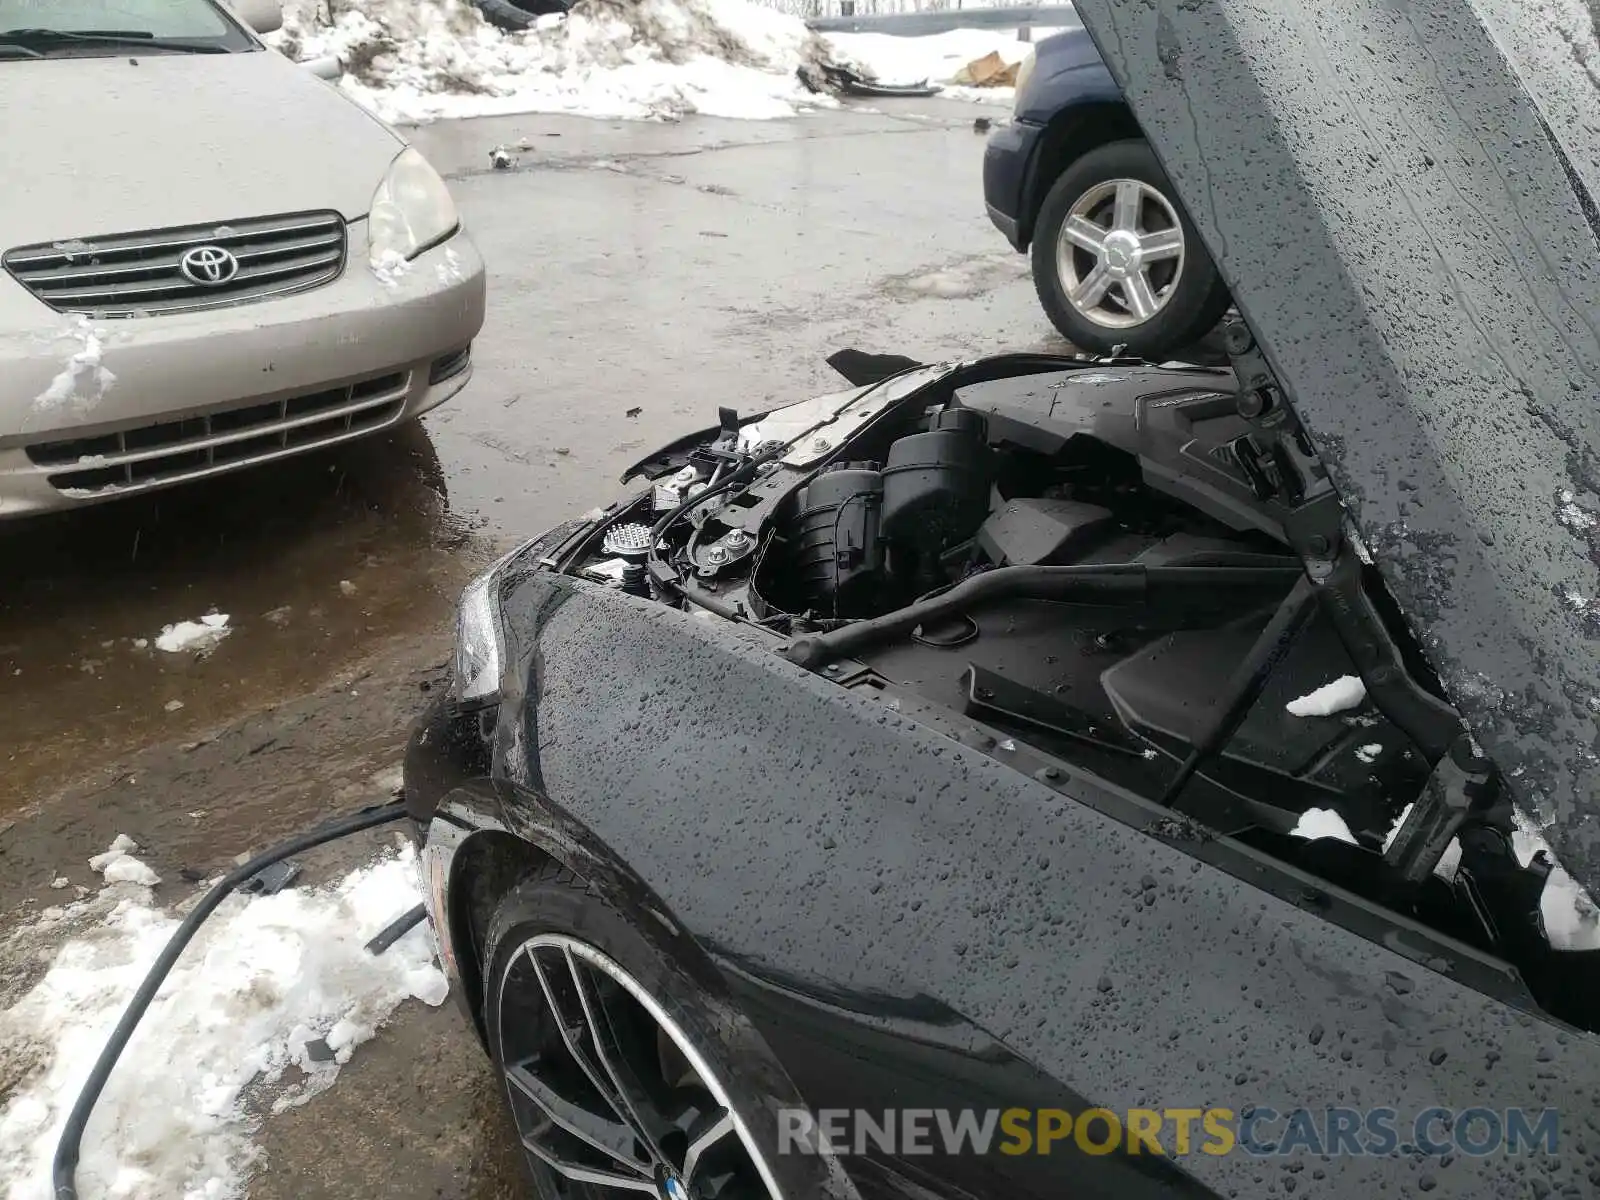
44 39
8 50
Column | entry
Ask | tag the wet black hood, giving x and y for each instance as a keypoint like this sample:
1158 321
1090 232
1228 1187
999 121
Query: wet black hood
1399 194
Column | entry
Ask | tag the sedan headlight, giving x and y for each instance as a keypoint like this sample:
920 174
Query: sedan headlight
480 629
411 211
1024 69
480 640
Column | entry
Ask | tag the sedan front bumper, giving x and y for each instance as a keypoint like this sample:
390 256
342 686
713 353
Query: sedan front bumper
91 409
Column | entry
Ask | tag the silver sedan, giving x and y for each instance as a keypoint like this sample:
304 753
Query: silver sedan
215 258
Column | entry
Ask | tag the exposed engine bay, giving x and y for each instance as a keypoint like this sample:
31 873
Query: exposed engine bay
1141 571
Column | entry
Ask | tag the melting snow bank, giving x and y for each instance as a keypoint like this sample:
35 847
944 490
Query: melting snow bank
412 61
223 1044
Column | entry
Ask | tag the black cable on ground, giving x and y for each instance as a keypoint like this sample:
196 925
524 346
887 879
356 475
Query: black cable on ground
397 929
65 1168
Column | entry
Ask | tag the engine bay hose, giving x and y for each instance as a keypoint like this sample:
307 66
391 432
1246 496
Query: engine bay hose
1098 583
64 1169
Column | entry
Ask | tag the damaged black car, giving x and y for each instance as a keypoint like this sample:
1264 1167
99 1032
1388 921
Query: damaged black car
1097 747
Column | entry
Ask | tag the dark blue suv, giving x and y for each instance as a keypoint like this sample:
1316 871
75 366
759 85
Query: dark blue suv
1116 261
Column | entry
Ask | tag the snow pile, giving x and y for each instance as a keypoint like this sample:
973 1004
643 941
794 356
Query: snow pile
1345 692
262 978
193 635
412 61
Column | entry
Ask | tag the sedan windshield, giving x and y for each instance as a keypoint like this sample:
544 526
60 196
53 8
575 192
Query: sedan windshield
97 27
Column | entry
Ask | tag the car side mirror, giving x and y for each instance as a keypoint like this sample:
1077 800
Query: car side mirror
264 16
327 67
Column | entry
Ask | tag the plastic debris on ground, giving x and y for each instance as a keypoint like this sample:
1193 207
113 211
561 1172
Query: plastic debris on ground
224 1044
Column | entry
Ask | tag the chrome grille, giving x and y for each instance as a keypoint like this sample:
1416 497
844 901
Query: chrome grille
135 275
149 455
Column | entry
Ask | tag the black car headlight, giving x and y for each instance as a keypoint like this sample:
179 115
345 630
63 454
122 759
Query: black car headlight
480 624
480 639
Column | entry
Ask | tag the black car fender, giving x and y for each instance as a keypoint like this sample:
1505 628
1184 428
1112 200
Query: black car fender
811 834
500 833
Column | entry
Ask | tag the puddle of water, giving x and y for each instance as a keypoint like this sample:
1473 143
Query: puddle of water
314 561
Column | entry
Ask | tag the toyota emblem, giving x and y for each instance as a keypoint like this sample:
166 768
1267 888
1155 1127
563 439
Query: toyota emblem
209 266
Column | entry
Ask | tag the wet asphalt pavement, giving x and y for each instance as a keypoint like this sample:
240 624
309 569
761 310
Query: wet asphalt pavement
640 277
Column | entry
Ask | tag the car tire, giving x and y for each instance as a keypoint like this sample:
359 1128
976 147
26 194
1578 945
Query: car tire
1188 292
553 919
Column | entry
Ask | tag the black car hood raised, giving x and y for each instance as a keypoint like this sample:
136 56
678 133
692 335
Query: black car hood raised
1399 194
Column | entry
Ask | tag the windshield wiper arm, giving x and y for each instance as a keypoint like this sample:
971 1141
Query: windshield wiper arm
8 50
37 39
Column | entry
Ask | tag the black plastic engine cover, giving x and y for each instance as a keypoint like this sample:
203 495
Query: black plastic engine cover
1177 423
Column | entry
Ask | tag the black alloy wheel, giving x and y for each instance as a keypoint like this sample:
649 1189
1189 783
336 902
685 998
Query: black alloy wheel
608 1093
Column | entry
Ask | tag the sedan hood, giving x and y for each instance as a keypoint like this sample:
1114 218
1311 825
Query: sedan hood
99 146
1400 197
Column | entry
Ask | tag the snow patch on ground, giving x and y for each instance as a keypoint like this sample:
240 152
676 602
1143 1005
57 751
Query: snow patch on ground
1323 823
412 61
221 1046
117 865
193 635
84 381
1343 693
